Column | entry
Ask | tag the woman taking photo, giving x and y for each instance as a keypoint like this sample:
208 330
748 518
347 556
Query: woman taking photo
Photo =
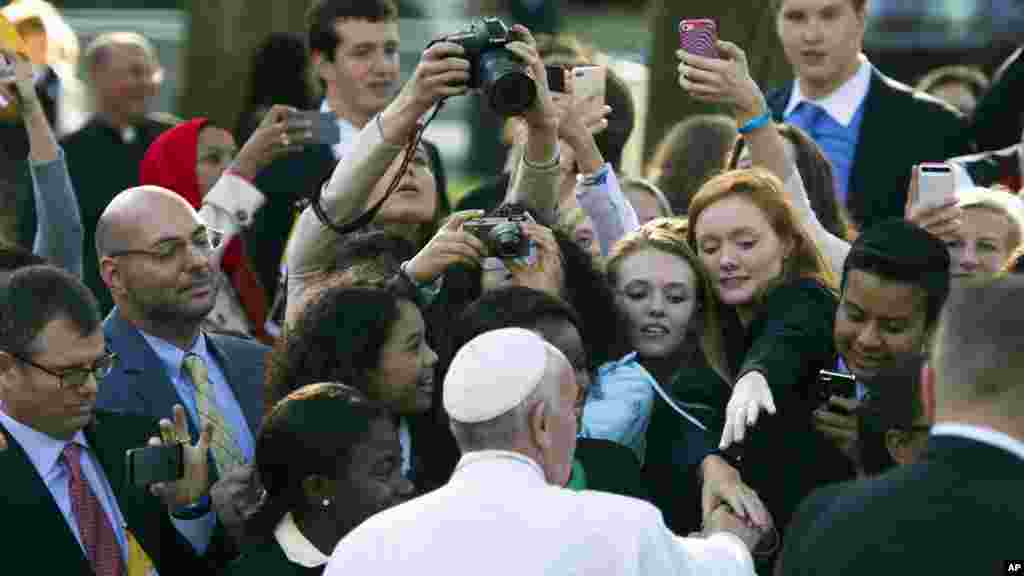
328 459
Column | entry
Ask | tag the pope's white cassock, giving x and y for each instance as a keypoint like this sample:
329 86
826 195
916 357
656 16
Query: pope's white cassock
498 515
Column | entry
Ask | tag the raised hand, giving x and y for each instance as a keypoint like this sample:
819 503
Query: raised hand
196 481
724 80
451 245
543 113
276 136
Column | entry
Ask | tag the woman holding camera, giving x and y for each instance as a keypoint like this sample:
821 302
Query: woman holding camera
364 175
328 459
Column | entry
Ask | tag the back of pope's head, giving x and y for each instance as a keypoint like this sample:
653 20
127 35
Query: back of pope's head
510 389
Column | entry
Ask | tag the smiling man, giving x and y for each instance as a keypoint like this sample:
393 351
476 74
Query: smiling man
354 45
872 128
154 256
895 282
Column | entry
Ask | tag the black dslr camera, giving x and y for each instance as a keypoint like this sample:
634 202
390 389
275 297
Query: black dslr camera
501 232
495 71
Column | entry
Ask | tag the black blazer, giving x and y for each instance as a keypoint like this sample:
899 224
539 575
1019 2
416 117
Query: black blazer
900 128
957 511
139 384
35 534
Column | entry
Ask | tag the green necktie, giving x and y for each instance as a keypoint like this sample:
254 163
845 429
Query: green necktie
226 453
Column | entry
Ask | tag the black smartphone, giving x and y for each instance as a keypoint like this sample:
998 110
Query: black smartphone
556 78
152 464
324 126
836 384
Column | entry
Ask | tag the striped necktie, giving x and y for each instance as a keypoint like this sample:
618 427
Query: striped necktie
98 538
226 453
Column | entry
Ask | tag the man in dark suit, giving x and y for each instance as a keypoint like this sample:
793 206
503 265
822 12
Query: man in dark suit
957 510
155 255
872 128
68 502
103 157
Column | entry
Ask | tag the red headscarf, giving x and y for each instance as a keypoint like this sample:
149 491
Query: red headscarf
170 162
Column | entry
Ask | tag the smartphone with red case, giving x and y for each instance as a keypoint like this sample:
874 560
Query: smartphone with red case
699 37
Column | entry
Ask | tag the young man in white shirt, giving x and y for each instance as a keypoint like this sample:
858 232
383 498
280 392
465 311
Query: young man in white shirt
872 128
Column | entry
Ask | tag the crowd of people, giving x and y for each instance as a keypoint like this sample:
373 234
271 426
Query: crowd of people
767 354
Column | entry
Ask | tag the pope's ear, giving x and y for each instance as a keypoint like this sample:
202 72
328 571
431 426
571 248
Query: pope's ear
539 429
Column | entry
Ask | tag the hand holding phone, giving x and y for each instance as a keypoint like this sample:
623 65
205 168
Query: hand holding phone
589 82
322 125
699 37
935 185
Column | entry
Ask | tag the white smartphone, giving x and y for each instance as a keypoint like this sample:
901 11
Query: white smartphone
935 184
588 82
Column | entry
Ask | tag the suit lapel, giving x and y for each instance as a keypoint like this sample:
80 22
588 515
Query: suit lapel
875 129
143 369
32 514
249 397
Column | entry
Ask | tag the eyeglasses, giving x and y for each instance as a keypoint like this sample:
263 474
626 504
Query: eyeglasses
204 241
76 378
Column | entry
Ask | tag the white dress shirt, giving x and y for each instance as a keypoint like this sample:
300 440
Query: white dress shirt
499 516
841 104
980 434
348 133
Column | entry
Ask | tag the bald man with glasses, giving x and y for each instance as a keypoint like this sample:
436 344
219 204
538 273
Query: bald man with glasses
158 259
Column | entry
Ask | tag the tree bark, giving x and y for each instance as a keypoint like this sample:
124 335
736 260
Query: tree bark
747 23
222 37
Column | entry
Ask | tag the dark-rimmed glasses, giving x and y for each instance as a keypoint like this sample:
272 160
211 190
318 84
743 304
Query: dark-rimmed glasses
77 377
204 241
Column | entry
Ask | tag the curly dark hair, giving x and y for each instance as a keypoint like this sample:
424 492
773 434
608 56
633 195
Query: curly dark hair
338 338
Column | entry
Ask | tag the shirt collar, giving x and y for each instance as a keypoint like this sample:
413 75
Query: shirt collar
296 546
43 450
980 434
842 104
494 456
172 357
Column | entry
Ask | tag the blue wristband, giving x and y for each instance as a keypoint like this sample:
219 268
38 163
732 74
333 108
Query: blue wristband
194 511
759 122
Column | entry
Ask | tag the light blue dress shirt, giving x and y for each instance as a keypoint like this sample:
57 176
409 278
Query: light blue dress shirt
838 142
45 452
199 532
172 358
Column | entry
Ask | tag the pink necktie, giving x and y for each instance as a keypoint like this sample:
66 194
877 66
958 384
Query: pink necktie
98 537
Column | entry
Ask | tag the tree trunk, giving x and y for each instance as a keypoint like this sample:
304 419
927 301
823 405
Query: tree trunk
222 37
748 23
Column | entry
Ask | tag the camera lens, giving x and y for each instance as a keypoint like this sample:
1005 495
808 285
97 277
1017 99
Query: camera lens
506 239
507 87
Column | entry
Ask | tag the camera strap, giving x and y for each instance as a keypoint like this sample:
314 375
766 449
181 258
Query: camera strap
364 219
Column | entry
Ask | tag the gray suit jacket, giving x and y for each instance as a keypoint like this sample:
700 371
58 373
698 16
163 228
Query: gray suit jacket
139 384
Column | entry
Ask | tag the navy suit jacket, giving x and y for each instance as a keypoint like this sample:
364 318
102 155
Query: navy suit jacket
956 511
900 128
139 383
34 534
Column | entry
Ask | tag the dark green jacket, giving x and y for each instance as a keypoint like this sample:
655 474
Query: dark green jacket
268 559
790 340
34 533
101 166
